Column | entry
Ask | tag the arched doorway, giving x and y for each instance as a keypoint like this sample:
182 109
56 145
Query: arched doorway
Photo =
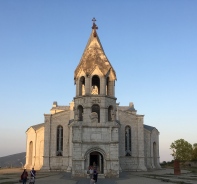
96 160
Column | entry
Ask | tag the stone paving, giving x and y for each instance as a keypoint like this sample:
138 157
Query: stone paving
154 177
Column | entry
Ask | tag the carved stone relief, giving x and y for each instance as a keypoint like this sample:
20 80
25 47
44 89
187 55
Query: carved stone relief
94 90
94 117
96 100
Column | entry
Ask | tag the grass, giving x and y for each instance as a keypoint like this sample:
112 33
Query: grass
192 169
2 178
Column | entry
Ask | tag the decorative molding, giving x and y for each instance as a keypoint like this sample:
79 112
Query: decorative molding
96 100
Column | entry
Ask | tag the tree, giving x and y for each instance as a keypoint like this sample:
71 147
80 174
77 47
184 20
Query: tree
182 150
195 145
194 155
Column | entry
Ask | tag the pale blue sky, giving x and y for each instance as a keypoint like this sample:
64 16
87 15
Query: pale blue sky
152 46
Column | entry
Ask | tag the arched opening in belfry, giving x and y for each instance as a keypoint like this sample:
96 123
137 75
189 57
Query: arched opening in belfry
82 86
96 109
30 153
95 85
107 86
59 141
155 154
96 161
80 113
128 141
110 113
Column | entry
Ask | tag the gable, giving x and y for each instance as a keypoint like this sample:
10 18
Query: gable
35 128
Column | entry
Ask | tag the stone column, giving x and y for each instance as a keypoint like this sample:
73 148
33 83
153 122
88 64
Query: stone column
77 87
117 111
88 160
87 85
102 115
157 154
70 150
103 86
87 111
47 135
111 88
140 130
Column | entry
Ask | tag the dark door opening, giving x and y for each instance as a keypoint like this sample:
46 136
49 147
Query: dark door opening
96 161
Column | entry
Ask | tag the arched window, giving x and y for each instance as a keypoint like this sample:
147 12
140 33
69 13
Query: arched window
110 113
95 85
107 86
80 113
59 141
96 108
82 86
128 141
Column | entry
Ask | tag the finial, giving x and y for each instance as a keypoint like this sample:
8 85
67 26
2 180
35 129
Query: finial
94 26
93 20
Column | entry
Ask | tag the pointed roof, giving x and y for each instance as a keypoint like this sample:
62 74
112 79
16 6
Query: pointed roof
93 56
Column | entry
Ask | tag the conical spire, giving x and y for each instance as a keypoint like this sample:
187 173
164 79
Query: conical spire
94 55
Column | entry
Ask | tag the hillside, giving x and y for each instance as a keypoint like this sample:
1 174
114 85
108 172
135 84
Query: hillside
15 160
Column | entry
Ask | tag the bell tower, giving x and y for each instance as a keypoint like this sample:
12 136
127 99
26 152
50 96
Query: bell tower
95 131
95 84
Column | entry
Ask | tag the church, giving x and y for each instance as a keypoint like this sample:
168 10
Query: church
93 129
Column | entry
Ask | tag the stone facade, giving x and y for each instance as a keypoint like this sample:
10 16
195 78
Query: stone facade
93 129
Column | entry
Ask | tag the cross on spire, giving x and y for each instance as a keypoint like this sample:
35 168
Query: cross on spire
93 20
94 27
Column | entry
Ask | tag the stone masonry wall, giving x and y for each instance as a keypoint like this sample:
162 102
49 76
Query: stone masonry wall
51 160
136 160
95 137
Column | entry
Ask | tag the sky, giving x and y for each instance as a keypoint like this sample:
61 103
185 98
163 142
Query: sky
151 44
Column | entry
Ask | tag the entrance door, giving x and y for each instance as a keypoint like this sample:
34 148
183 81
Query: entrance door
96 160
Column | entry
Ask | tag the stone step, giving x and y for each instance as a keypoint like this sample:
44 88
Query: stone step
99 176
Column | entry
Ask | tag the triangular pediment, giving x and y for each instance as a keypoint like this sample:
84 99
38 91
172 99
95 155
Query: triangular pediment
35 127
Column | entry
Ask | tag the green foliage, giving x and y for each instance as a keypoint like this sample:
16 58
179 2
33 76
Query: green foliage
182 150
164 162
194 154
195 145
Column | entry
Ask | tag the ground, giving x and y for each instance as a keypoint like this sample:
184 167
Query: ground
11 176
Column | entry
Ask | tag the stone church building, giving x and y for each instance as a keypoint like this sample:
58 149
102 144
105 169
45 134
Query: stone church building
93 129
